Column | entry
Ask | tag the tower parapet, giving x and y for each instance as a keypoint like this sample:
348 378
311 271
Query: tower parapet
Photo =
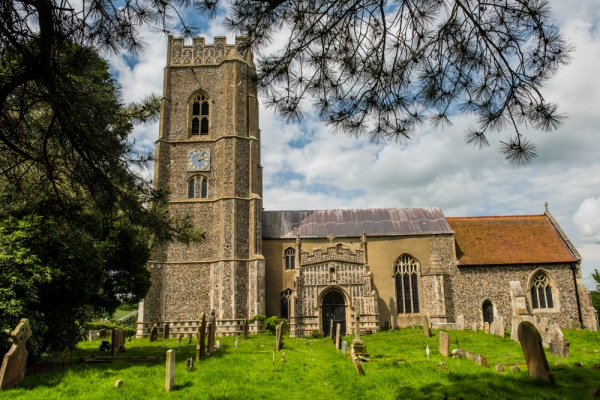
200 53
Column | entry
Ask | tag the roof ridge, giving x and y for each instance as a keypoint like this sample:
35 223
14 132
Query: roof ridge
498 216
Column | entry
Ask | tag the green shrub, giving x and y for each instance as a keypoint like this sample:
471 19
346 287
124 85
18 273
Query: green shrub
270 323
97 325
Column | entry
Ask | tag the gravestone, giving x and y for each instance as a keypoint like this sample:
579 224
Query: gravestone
245 329
531 343
93 335
338 336
166 331
444 344
212 331
201 333
559 347
331 331
426 330
153 333
14 363
211 339
358 347
460 322
235 343
569 323
474 327
170 376
344 347
118 342
357 364
279 337
486 327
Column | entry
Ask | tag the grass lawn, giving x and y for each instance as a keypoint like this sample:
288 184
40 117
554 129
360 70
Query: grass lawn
399 369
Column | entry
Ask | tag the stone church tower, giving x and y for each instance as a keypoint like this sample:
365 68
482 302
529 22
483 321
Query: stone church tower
208 158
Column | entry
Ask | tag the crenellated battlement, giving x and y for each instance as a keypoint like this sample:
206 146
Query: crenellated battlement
200 53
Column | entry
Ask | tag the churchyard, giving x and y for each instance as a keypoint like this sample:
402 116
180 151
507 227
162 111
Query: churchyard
397 367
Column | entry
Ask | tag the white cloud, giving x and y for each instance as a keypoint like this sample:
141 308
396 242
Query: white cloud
587 219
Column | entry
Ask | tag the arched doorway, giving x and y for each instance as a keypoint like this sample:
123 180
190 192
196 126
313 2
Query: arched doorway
333 308
488 311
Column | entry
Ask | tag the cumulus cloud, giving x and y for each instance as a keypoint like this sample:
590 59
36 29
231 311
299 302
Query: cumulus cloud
587 219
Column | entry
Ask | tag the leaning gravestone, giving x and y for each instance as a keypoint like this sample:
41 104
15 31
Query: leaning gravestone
153 333
170 375
166 331
201 346
117 343
12 371
531 343
426 330
444 344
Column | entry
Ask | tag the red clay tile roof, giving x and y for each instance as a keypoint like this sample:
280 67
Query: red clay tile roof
528 239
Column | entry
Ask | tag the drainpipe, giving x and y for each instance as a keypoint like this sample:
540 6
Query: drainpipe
574 270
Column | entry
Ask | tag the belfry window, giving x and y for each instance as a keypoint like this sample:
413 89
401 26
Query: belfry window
286 297
197 187
407 287
541 291
289 259
200 112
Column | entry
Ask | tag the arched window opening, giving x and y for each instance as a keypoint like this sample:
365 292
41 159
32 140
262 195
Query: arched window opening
286 296
541 291
289 257
407 286
488 311
200 114
197 187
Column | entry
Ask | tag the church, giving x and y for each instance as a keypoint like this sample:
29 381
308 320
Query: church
386 267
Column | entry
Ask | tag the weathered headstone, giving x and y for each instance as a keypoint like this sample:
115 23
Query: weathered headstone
474 327
153 333
569 323
357 364
338 336
217 345
212 332
486 327
279 337
559 348
499 367
478 358
93 335
210 347
201 333
170 376
358 347
235 343
344 347
444 344
166 331
531 343
245 337
331 331
14 363
118 342
460 322
426 330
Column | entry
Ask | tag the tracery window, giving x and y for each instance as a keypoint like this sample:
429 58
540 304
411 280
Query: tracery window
286 296
541 291
407 287
197 187
200 112
289 259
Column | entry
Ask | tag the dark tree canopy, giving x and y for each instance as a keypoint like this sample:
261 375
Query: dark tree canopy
382 68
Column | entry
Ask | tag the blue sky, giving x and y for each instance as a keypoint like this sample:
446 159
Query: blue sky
308 167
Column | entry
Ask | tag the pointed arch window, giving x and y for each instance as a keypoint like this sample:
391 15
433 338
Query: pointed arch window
200 113
197 187
289 259
286 302
541 291
407 285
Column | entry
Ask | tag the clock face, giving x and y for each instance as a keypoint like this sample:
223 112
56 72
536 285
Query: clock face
198 160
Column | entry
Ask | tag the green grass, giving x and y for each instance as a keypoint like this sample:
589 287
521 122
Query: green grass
313 369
